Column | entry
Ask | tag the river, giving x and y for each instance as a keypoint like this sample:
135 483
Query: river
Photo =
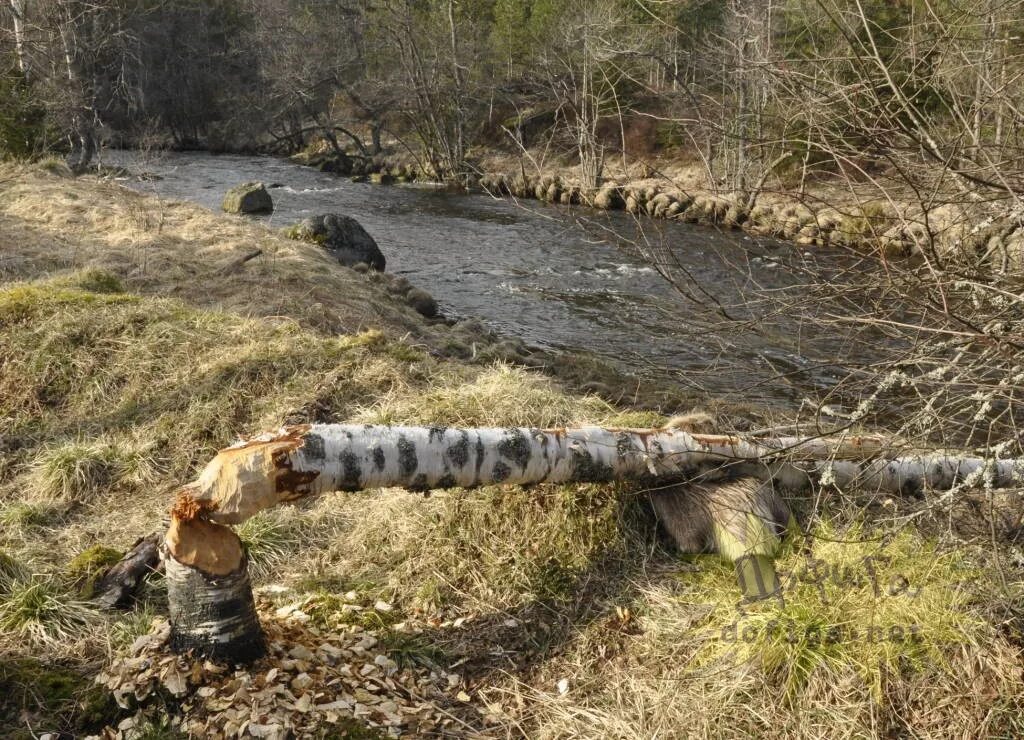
561 278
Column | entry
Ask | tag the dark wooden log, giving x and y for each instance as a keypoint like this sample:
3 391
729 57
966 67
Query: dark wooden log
119 585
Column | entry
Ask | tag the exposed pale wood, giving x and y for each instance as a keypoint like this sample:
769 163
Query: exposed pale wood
734 518
212 612
209 547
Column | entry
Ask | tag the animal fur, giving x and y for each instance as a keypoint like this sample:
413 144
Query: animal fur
694 422
734 518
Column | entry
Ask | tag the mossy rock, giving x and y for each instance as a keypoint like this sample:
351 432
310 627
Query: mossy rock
249 197
736 215
422 302
609 198
342 236
381 178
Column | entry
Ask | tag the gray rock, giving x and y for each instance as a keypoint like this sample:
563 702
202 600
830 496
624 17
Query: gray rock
249 197
343 237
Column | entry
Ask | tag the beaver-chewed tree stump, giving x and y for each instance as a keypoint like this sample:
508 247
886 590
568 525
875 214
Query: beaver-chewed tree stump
211 604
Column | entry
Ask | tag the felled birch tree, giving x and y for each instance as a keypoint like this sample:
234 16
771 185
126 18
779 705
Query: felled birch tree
212 610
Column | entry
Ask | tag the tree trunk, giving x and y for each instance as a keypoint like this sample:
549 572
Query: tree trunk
212 611
375 132
307 460
18 11
301 461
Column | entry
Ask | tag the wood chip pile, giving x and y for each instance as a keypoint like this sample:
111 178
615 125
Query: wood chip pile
313 681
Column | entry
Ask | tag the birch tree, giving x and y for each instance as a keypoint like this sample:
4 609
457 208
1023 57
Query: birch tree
211 602
18 10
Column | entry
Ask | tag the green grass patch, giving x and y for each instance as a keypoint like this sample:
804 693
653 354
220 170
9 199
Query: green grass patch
410 650
131 626
40 610
115 368
11 570
861 602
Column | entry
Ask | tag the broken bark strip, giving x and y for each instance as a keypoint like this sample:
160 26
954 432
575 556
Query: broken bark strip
212 611
301 461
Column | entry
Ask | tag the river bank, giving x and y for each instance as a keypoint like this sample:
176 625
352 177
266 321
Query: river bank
867 212
133 344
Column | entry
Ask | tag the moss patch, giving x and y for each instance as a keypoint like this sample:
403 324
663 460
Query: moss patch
89 566
870 604
36 698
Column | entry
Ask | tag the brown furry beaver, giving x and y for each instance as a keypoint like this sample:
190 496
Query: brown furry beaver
742 518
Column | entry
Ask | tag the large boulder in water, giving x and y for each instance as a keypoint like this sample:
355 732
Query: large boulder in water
343 237
249 197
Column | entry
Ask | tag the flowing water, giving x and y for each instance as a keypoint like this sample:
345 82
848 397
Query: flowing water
559 278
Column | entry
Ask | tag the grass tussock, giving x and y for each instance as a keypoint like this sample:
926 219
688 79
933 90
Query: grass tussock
80 470
24 516
270 537
38 609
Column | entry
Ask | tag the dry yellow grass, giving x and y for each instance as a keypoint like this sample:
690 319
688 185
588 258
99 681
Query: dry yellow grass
52 223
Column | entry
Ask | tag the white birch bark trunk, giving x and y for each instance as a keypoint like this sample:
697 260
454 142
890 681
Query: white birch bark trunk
297 462
212 611
18 12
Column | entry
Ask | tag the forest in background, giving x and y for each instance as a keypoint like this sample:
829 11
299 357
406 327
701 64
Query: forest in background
750 89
